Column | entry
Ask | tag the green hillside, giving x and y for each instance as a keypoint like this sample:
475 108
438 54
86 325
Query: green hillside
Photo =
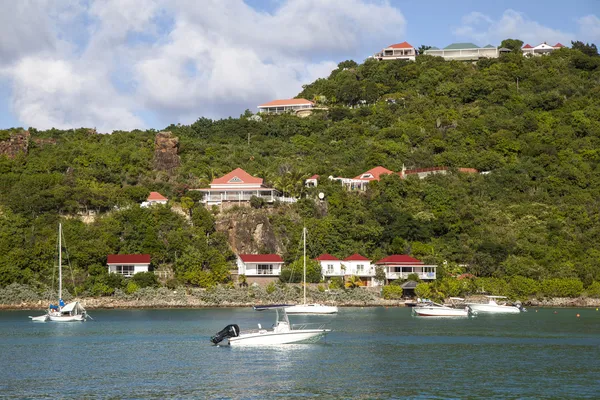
533 123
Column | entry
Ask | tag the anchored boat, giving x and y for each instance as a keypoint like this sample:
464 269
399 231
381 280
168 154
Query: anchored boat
282 333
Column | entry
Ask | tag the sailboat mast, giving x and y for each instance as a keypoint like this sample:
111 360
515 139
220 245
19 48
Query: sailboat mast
304 259
59 262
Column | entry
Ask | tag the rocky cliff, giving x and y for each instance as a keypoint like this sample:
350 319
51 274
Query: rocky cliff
250 232
17 143
166 148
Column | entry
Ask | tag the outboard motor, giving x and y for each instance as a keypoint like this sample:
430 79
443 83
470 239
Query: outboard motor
520 306
229 331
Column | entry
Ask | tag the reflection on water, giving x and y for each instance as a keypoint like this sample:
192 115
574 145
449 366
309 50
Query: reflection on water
371 353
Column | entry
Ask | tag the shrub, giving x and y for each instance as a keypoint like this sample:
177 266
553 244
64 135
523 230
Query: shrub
449 287
413 277
101 289
270 288
321 288
172 283
392 292
336 283
494 286
257 202
145 279
521 287
593 290
562 287
423 290
132 287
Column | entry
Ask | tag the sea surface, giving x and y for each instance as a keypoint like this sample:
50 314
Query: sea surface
372 353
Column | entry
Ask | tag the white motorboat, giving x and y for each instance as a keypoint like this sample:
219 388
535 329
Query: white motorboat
431 309
492 307
305 308
282 333
62 312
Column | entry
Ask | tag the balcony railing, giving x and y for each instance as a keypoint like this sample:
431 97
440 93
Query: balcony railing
404 275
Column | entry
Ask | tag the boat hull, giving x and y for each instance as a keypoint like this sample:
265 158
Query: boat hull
41 318
440 312
268 338
493 309
311 309
66 318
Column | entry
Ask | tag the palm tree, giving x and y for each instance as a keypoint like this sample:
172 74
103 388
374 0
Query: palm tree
354 282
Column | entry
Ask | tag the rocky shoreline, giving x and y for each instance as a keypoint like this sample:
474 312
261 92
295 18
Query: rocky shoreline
190 301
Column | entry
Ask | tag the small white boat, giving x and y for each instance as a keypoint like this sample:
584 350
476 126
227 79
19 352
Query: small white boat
282 333
431 309
71 312
492 307
309 308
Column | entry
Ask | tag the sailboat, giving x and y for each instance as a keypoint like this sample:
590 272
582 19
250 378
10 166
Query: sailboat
62 312
305 308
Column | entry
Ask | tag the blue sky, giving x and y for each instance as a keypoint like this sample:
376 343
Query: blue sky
125 64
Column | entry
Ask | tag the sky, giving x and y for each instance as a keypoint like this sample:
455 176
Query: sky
141 64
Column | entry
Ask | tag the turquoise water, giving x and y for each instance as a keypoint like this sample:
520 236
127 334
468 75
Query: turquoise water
372 353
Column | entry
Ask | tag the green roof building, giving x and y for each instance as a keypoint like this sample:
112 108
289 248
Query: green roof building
465 52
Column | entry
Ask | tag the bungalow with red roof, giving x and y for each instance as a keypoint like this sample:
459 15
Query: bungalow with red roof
399 266
238 187
330 266
312 181
398 51
361 182
259 268
154 198
286 105
128 264
540 49
360 266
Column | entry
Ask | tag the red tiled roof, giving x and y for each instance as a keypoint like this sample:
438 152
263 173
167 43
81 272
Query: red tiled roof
558 45
356 257
315 176
156 196
399 259
327 257
403 45
528 46
239 173
254 258
128 259
287 102
376 172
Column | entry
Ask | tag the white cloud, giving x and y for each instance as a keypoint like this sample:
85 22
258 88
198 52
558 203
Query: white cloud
589 29
104 63
512 24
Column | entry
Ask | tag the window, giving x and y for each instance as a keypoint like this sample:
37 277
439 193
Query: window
125 270
329 269
235 179
360 269
264 269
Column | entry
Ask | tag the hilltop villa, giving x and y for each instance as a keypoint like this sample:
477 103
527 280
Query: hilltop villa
259 268
287 105
237 187
540 49
466 52
154 198
128 264
397 266
398 51
361 182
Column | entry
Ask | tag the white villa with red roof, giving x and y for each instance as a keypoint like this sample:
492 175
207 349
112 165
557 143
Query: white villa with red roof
259 268
399 266
128 264
237 187
330 266
312 181
398 51
154 198
540 49
286 105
